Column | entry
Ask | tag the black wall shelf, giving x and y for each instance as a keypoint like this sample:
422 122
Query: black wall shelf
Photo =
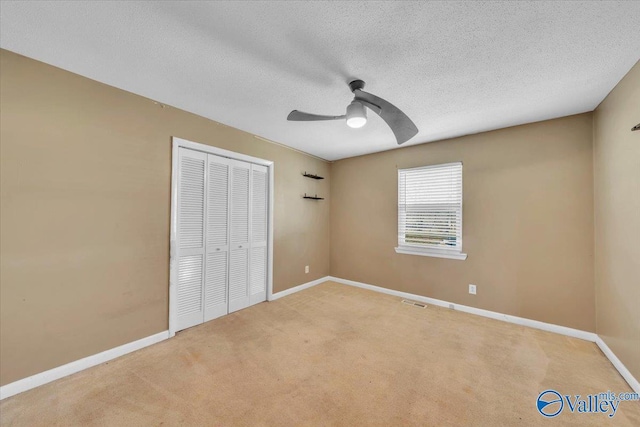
312 176
312 197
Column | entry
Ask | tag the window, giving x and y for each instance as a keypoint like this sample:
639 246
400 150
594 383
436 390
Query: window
430 211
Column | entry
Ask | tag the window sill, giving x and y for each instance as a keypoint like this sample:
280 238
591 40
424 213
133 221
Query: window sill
431 252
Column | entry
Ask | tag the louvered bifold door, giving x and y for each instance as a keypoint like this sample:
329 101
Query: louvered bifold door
239 235
258 234
190 240
217 238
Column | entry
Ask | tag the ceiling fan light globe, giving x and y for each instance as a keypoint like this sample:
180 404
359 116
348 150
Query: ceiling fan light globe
356 115
356 122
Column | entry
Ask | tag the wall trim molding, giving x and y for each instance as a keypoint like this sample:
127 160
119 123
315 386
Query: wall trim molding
45 377
563 330
70 368
629 378
277 295
549 327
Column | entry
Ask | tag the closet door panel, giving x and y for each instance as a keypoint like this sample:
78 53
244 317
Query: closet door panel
216 286
259 204
189 291
217 238
218 202
240 203
190 237
258 274
259 233
191 203
238 280
239 235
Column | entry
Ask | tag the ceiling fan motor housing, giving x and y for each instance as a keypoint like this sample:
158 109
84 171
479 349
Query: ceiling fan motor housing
356 84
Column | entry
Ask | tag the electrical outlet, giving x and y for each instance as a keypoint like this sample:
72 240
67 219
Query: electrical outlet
306 269
472 289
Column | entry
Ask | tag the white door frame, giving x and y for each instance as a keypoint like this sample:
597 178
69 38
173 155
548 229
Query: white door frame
173 267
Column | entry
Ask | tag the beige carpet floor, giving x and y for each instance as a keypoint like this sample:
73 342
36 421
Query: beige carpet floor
333 355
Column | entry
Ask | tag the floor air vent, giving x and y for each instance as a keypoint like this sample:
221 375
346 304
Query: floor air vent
414 303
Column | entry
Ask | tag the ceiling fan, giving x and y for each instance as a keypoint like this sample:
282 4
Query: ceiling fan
401 125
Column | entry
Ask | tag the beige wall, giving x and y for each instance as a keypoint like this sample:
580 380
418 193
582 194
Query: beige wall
527 222
85 205
84 210
617 220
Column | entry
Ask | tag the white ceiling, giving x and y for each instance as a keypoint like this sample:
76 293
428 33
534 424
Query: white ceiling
454 67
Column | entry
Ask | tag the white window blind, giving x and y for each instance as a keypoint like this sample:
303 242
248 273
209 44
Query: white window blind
430 211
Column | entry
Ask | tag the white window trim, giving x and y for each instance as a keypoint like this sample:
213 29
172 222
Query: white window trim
433 252
410 250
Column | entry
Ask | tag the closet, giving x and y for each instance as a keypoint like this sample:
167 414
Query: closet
221 236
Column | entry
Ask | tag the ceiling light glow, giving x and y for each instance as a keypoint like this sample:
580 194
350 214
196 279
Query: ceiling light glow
356 115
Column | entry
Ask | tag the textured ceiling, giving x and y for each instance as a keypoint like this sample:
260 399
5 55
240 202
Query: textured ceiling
455 68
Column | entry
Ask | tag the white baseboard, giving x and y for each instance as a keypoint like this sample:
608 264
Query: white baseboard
78 365
629 378
562 330
298 288
90 361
